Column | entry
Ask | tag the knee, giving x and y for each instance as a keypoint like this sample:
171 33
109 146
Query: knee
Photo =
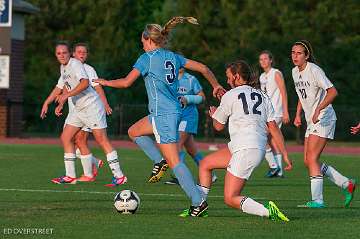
132 132
228 200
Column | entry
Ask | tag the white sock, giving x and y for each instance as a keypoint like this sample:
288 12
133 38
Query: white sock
114 164
269 156
334 176
86 161
278 159
78 153
95 161
250 206
203 190
69 160
317 188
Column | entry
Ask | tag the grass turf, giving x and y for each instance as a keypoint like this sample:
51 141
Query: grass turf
85 210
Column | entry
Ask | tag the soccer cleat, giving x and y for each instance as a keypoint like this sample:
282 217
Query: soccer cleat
349 192
96 166
117 181
158 171
274 212
172 181
197 211
186 213
214 178
84 178
273 172
64 180
312 204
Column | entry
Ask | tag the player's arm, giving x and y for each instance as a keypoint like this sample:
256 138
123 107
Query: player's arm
276 134
54 93
218 90
192 99
122 82
282 88
355 129
103 98
84 83
297 120
331 94
217 125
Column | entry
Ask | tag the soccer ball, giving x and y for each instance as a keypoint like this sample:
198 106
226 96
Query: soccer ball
126 202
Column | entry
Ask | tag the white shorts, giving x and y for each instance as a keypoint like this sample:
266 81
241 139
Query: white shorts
91 117
278 121
244 161
323 129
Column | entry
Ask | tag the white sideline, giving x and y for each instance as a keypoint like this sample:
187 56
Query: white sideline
91 192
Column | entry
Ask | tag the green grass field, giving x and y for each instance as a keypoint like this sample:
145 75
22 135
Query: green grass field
29 200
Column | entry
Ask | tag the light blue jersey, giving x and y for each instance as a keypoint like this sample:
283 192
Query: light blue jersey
160 69
189 85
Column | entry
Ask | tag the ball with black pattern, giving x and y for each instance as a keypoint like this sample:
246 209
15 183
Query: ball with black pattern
126 202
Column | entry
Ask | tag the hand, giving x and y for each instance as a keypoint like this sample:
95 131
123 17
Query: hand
289 165
286 118
218 91
355 129
108 109
297 121
44 110
212 110
101 81
315 117
58 110
61 99
183 101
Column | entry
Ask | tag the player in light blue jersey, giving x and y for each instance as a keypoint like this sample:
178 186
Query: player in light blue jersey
190 94
160 69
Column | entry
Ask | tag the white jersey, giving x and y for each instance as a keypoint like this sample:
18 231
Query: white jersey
311 85
248 110
271 88
70 77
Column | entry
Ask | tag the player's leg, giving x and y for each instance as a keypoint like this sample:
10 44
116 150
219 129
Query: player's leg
238 172
277 156
67 137
85 156
139 133
217 160
270 159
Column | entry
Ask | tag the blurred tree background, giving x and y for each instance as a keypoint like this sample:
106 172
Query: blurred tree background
228 30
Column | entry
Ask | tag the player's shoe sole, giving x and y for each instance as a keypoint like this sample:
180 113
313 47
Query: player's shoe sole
274 212
312 204
64 180
186 213
158 171
117 181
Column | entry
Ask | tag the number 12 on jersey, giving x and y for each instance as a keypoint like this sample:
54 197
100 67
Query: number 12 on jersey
254 96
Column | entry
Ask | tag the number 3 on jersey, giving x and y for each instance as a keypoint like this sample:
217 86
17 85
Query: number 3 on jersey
170 66
254 96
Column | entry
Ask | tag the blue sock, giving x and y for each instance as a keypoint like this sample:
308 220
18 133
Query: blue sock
182 156
147 145
187 183
198 157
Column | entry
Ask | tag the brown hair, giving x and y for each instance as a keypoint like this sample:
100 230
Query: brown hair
307 49
63 43
159 34
81 44
242 68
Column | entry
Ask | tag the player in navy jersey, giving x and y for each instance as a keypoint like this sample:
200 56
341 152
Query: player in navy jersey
160 69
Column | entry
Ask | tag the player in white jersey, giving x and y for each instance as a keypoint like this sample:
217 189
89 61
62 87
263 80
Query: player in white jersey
89 162
316 93
88 112
251 117
272 83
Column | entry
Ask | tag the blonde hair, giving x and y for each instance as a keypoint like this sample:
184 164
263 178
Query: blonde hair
160 35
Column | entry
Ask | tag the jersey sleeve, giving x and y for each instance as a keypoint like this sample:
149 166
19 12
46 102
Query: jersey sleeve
92 76
196 87
270 113
223 112
181 60
142 64
321 80
60 83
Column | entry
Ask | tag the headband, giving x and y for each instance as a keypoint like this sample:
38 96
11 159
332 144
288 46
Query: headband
304 45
